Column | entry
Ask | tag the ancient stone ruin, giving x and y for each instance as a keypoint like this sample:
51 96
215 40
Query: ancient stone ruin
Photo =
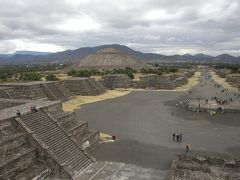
116 81
37 138
32 91
164 81
232 79
84 86
45 143
207 168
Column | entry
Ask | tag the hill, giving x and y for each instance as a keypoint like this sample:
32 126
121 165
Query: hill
73 56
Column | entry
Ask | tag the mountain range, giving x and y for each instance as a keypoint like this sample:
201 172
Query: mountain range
73 56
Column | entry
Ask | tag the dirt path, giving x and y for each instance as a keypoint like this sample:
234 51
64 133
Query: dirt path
222 81
77 101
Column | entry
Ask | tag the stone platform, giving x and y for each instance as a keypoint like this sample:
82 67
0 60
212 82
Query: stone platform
112 81
35 90
84 86
212 105
207 168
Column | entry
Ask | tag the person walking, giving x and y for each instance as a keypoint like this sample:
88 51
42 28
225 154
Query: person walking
177 135
187 147
174 136
180 137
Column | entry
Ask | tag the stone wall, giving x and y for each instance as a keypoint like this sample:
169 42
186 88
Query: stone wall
84 86
203 167
30 91
8 104
117 81
156 82
163 81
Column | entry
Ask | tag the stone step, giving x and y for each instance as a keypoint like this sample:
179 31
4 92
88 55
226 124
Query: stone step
17 162
11 137
92 137
13 144
80 128
23 151
75 158
36 171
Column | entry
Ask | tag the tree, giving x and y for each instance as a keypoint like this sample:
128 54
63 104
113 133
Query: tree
51 77
130 75
31 76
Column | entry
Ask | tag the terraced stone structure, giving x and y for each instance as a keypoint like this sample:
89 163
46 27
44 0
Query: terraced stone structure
33 90
156 82
112 81
164 81
46 143
207 168
234 80
84 86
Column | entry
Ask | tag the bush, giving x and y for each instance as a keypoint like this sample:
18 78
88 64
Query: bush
51 77
31 76
130 75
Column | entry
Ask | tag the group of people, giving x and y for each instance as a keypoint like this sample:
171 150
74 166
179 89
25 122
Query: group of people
177 136
33 108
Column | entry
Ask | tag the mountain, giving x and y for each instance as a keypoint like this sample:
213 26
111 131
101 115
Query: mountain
225 58
110 57
73 56
34 53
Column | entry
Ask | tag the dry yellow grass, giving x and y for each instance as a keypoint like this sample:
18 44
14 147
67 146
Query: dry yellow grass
192 81
77 101
222 81
63 76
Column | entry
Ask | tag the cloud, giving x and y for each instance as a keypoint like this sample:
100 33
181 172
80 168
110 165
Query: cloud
163 26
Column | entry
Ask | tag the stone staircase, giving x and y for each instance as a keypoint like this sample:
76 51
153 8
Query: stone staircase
95 87
65 150
65 90
142 84
53 92
109 82
77 130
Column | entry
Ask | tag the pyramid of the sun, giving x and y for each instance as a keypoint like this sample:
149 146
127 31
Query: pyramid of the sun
110 57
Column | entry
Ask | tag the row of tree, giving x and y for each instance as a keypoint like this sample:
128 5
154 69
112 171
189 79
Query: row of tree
94 72
28 73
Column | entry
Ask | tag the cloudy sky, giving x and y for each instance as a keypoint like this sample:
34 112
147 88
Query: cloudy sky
162 26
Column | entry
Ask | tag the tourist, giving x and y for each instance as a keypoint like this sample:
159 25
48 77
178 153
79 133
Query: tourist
172 113
18 113
33 108
180 137
174 136
187 147
177 135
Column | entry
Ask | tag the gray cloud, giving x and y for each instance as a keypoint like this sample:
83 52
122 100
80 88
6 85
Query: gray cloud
163 26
